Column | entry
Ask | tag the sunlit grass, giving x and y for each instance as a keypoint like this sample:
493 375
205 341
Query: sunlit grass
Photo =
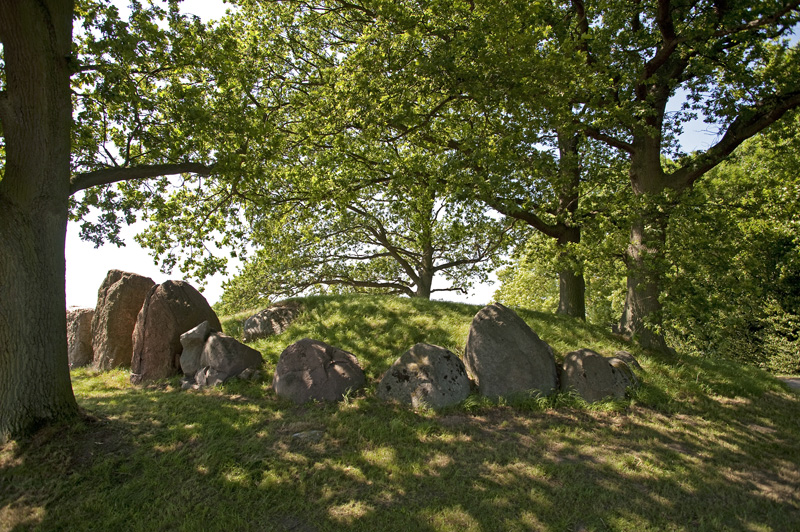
702 445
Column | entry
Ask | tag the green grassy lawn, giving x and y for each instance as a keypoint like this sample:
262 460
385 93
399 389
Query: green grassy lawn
702 445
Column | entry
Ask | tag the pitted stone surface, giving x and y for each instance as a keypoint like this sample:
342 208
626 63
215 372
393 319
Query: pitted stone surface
426 375
270 321
593 377
79 337
119 301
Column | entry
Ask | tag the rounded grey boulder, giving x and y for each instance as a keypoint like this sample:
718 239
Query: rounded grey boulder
426 375
193 341
270 321
229 357
505 357
594 377
313 370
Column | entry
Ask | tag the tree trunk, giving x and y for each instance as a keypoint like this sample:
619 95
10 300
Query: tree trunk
571 284
641 316
571 294
36 115
424 286
425 275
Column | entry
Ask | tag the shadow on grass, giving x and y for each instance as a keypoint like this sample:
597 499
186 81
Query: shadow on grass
703 445
229 459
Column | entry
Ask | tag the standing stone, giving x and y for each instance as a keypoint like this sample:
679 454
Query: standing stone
426 375
79 337
593 377
505 357
192 343
310 369
119 301
169 310
270 321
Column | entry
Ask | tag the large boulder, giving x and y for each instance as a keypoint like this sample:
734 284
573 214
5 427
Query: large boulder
426 375
270 321
79 336
119 301
310 369
228 357
505 357
594 377
211 358
169 310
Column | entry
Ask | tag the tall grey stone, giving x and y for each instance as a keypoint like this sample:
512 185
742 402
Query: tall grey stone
594 377
119 301
192 343
270 321
426 375
169 310
309 369
505 357
79 337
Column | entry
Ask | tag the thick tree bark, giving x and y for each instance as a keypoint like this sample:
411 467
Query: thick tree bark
36 115
571 294
423 290
642 314
426 272
571 284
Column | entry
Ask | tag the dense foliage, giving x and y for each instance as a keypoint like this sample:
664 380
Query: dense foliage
734 253
297 102
732 265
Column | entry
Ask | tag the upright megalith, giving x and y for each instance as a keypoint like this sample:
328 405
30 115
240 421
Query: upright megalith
505 357
313 370
426 375
79 337
169 310
119 301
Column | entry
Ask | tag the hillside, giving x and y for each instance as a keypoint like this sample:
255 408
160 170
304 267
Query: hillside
702 445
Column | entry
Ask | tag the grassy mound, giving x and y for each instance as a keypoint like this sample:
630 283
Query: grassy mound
702 445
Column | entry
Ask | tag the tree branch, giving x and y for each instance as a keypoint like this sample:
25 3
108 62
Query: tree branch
510 209
745 126
397 287
759 23
106 176
608 139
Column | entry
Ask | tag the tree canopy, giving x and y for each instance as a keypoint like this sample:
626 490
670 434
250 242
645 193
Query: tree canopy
388 111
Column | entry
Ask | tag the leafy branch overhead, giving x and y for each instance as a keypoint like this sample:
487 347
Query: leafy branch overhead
539 111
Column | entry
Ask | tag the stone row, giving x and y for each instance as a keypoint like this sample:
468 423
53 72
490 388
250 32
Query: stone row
503 357
167 329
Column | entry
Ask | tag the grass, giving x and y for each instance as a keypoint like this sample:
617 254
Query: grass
703 445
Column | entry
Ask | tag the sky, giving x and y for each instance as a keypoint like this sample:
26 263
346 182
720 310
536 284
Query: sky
87 266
